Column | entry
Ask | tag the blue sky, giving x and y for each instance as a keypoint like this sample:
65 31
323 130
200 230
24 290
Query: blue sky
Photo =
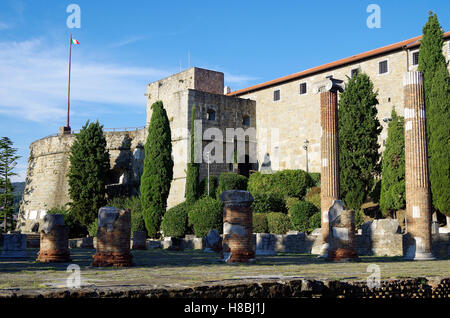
126 44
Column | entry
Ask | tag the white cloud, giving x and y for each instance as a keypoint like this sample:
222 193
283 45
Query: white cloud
238 79
33 81
129 40
4 26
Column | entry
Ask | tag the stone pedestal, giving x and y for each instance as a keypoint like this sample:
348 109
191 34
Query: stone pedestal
14 246
237 240
139 240
54 240
113 238
328 90
265 244
418 216
342 245
87 242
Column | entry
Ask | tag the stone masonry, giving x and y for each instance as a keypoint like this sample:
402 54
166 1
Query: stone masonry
418 215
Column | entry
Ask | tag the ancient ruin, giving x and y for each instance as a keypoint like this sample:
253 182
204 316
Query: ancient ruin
54 240
14 246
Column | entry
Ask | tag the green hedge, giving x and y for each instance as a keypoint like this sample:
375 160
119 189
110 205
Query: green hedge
75 227
286 183
206 214
231 181
260 223
278 222
313 196
300 214
290 201
267 202
93 228
213 183
174 222
315 221
315 177
134 205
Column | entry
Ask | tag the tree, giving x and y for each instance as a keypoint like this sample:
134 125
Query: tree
8 161
358 140
437 102
392 195
192 175
89 168
158 169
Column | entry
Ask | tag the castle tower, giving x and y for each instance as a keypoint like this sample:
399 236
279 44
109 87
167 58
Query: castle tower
418 217
328 90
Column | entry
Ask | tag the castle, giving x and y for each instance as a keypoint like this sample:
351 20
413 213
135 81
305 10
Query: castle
283 113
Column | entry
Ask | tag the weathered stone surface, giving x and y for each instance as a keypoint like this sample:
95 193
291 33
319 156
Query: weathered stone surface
384 226
87 242
139 240
54 240
213 241
113 238
14 246
265 244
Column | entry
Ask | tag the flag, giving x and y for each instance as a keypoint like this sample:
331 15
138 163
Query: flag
75 41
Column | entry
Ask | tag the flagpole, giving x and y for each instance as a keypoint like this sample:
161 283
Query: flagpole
68 86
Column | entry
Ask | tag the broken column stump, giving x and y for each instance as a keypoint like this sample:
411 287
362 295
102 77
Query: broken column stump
54 245
14 246
237 240
113 238
342 245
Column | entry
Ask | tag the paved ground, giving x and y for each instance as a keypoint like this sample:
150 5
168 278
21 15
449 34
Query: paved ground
162 268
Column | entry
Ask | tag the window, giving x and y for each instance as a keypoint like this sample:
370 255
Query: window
354 72
246 120
276 95
211 114
302 88
415 58
383 67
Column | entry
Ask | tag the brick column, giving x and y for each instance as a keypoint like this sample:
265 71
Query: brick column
417 243
54 245
329 151
237 227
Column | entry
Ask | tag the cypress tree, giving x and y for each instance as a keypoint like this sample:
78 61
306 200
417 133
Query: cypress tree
158 169
8 162
437 102
358 140
192 175
392 195
88 173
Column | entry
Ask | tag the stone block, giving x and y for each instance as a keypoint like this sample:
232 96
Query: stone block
14 246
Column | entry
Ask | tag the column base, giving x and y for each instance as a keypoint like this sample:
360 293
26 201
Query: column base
420 256
343 255
53 256
112 259
324 251
238 257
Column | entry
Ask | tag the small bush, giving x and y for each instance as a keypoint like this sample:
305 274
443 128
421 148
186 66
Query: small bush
315 221
315 177
93 228
206 214
300 213
290 201
292 183
266 202
213 183
278 222
260 223
174 222
359 218
134 205
313 196
75 227
231 181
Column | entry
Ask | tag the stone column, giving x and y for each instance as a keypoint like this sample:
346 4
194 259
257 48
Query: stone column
237 227
54 240
14 246
417 243
113 238
329 150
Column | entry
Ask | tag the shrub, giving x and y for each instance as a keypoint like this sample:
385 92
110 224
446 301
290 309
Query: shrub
231 181
193 168
290 201
93 228
206 214
359 218
157 175
315 177
315 221
134 205
266 202
260 223
300 213
313 196
75 227
278 223
212 187
292 183
174 222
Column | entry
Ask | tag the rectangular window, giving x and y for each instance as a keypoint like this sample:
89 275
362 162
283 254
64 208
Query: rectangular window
276 95
354 72
302 88
383 67
415 58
